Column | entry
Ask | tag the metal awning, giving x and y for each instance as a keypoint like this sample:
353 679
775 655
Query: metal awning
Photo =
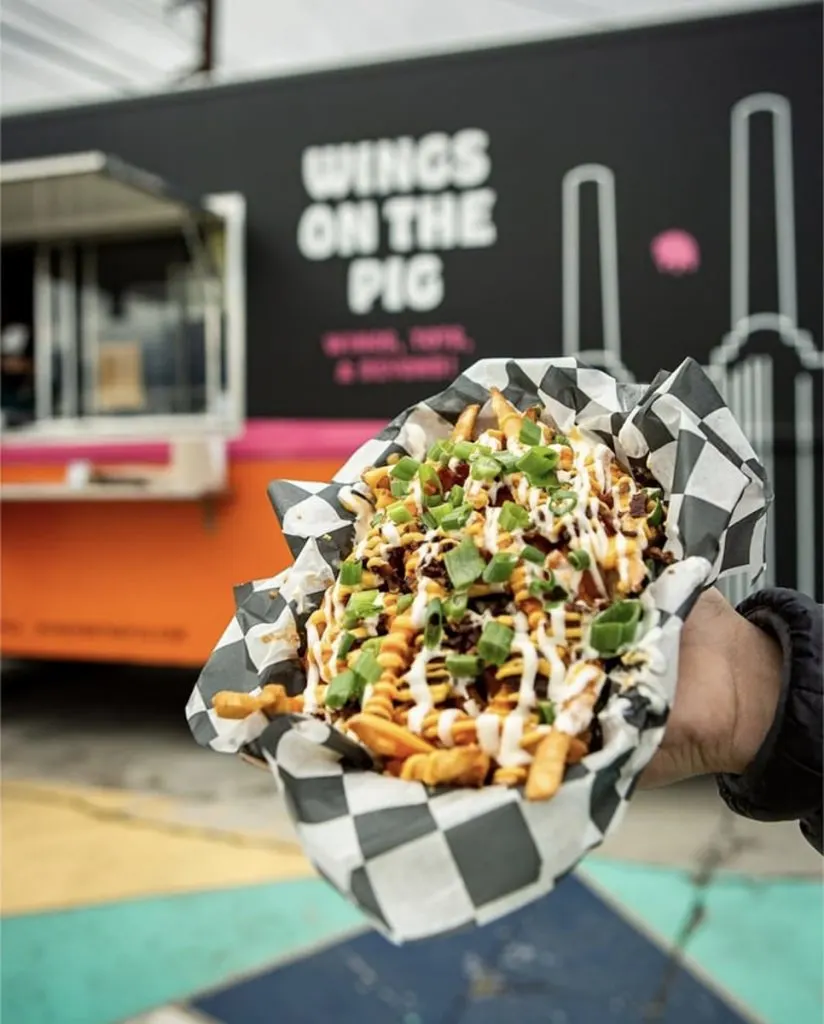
88 194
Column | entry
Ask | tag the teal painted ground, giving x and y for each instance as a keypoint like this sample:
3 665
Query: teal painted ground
100 964
762 939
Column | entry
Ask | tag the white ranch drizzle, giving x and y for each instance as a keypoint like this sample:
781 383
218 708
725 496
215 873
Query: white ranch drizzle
510 753
488 725
416 679
522 643
417 610
622 560
390 534
489 441
414 720
549 649
491 529
446 720
557 620
310 693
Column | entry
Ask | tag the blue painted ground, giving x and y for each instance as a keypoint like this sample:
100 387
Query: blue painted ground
566 959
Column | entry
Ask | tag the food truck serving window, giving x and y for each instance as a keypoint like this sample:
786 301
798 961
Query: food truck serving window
122 302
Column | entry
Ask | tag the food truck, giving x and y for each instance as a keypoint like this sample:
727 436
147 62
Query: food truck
210 288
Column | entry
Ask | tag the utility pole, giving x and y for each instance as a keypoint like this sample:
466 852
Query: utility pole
207 36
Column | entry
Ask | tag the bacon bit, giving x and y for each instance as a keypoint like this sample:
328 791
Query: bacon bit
657 555
607 499
537 540
503 494
609 526
638 505
588 588
447 478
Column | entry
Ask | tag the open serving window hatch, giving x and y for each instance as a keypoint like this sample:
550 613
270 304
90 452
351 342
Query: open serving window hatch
123 322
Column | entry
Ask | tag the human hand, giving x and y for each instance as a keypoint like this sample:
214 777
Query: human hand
729 680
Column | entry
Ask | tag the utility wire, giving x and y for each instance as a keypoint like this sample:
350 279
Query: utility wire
34 13
57 55
154 19
14 63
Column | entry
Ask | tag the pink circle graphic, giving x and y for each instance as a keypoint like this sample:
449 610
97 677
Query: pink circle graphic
675 252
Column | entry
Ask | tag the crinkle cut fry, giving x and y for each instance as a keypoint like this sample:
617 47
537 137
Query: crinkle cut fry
457 766
465 426
547 769
394 657
509 419
387 739
272 700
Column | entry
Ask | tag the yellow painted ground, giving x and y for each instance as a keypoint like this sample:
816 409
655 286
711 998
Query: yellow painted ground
65 846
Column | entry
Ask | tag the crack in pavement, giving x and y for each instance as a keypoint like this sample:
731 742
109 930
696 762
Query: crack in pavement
724 844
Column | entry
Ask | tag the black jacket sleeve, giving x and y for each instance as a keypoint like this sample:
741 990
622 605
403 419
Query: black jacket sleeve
784 781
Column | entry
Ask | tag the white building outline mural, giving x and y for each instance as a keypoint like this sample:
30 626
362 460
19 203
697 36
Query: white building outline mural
745 379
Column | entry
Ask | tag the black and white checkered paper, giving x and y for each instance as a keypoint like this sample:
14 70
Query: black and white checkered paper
421 861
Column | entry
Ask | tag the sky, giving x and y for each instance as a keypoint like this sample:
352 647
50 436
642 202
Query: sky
54 52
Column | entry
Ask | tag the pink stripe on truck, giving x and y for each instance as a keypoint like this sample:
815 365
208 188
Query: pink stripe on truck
262 439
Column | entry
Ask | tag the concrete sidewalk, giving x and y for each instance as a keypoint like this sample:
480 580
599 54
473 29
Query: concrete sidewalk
139 870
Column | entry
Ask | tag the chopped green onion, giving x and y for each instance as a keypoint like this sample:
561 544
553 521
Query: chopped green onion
429 476
466 666
546 481
485 468
463 450
373 644
530 432
615 626
548 589
440 512
345 645
538 461
561 439
546 712
457 518
579 559
433 623
464 564
433 500
399 488
456 495
506 460
495 643
367 668
351 574
440 451
513 517
376 519
344 688
500 568
606 637
455 605
561 502
399 513
532 554
429 520
362 605
404 601
405 468
656 517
